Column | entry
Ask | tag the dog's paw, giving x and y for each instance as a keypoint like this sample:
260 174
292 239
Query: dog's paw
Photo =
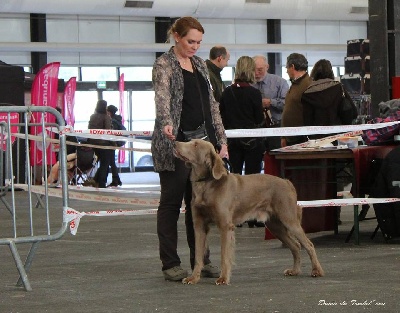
222 281
317 273
291 272
190 280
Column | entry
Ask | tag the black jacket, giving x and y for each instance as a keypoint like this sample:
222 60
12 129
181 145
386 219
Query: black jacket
323 104
116 121
100 120
241 107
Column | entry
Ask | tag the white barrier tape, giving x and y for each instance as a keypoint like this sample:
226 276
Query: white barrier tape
345 202
102 132
73 217
152 198
239 133
109 134
56 142
149 193
304 130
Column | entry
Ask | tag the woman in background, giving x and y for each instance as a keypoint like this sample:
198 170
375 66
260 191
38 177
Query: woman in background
100 120
323 100
323 104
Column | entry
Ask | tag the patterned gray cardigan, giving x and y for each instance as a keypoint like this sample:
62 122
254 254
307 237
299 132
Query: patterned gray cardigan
168 87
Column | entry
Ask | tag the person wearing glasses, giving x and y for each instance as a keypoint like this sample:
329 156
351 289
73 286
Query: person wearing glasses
273 90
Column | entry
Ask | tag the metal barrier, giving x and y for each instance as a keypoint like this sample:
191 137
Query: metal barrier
29 224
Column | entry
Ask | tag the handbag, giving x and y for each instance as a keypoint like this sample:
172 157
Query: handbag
347 109
268 118
199 133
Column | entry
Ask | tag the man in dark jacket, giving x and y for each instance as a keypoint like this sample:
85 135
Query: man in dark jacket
219 58
292 116
100 120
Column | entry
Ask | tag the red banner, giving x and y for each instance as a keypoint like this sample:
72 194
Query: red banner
69 101
44 93
14 119
121 153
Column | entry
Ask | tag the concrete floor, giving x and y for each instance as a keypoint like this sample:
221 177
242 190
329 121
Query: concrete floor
112 265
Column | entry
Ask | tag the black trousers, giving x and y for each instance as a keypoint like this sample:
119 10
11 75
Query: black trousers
114 169
251 159
104 157
175 186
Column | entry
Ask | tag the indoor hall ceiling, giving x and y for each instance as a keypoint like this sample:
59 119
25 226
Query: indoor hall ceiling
344 10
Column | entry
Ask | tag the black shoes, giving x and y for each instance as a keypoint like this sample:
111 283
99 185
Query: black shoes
115 183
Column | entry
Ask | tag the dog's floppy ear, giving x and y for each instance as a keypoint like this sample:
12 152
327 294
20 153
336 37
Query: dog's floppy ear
218 169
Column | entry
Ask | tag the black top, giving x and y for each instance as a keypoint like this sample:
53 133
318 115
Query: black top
241 107
192 112
194 103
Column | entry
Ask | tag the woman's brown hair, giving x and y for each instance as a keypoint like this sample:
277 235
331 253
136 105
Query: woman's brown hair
322 69
183 25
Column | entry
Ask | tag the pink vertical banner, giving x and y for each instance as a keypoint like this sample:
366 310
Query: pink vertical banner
69 101
44 93
121 85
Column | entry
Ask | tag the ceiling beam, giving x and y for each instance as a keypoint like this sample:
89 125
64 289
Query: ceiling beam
162 47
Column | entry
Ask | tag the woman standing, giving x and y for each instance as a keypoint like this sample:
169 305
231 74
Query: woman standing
184 101
323 100
241 108
100 120
323 105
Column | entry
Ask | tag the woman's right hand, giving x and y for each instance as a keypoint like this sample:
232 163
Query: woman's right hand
167 130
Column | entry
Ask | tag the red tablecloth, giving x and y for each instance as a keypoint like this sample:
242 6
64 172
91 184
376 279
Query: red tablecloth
305 180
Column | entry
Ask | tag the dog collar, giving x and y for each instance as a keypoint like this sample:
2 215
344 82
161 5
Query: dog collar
201 179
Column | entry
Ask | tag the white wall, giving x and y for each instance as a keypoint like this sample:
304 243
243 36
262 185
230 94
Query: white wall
233 31
116 30
15 28
320 32
81 29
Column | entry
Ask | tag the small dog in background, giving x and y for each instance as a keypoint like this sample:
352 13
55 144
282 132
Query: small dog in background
228 199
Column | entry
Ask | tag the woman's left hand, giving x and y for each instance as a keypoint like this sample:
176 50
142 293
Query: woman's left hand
223 153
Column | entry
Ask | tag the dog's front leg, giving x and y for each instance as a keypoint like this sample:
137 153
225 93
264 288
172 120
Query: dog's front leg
227 253
200 248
